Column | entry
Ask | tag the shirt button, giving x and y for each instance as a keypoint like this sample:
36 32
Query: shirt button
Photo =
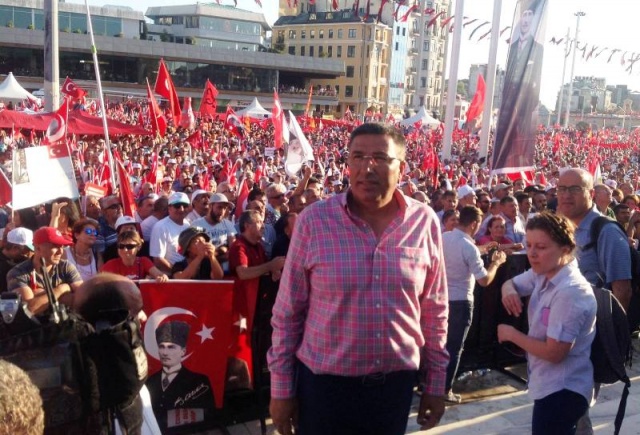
377 305
377 277
377 362
379 335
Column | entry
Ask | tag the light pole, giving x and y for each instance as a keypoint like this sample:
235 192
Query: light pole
578 15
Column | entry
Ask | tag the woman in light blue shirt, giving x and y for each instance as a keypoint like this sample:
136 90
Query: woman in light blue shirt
562 315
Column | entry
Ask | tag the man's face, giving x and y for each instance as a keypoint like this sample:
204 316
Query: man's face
146 208
254 230
574 196
525 205
540 202
510 209
112 210
201 204
170 354
484 203
374 178
177 212
218 211
525 23
50 252
623 215
449 203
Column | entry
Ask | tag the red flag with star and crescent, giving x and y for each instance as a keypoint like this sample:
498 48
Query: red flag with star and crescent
206 308
208 104
156 117
164 87
72 90
277 115
57 129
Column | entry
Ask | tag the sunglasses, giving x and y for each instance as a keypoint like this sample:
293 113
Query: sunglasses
127 246
90 232
178 206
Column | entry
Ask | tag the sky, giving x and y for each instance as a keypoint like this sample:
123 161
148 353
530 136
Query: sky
610 23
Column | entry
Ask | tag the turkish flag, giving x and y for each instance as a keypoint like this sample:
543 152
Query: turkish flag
233 123
164 86
277 115
6 191
126 193
57 129
477 103
208 104
72 90
206 306
158 121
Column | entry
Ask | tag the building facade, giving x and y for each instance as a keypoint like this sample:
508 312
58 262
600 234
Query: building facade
424 56
363 46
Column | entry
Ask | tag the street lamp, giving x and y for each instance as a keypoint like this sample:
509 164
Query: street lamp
578 15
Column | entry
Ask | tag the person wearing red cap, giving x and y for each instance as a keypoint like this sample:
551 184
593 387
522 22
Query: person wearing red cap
26 278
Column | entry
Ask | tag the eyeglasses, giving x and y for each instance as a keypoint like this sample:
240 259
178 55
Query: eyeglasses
114 207
573 190
277 196
378 159
178 206
127 246
90 232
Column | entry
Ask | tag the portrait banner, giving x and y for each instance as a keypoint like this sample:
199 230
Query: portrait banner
41 174
515 136
186 336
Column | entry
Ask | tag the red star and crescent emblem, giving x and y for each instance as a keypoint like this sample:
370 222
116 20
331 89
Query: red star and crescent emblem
56 129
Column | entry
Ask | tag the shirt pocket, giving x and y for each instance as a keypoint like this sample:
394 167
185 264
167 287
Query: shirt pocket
410 265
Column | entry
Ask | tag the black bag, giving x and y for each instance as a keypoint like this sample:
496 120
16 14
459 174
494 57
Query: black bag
611 347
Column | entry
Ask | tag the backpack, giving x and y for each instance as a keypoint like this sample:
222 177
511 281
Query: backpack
633 314
611 347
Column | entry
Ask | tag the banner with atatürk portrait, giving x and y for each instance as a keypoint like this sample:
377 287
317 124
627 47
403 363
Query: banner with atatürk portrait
515 136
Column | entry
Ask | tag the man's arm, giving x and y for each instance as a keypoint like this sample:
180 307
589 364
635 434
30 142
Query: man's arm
38 302
249 272
433 321
622 290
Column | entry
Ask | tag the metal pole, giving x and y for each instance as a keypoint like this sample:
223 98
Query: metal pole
487 111
564 68
51 56
105 126
453 80
573 64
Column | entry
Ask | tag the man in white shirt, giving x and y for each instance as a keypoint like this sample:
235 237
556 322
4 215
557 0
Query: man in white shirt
220 229
163 247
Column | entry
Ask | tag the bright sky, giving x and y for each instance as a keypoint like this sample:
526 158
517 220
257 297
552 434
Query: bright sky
609 24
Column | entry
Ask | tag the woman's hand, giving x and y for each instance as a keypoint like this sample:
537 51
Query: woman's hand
511 299
162 278
505 332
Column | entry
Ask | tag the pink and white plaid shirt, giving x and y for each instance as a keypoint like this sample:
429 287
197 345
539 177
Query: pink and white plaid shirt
351 304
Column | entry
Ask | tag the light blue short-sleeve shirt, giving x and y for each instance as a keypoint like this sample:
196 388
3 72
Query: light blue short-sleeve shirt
462 263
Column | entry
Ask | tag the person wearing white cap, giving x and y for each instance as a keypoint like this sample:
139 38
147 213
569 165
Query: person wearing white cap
17 248
218 227
163 245
466 196
199 205
166 187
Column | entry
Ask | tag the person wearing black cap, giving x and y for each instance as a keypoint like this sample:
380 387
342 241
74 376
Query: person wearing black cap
175 387
200 256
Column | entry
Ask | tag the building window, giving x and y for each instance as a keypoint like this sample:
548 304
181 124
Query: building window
311 51
339 52
397 30
312 34
425 64
350 71
312 17
404 31
339 33
292 34
302 50
348 91
397 46
321 51
351 51
352 33
303 34
337 90
192 22
321 34
292 50
425 46
423 82
330 33
330 51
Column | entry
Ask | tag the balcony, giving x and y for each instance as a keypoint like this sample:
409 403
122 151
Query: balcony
410 88
412 70
413 52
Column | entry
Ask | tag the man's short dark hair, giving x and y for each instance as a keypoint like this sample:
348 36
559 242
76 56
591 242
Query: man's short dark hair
382 130
522 197
161 204
450 194
507 199
620 207
255 194
469 214
247 217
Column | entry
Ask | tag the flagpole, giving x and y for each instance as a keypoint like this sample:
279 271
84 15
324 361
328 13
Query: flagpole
564 69
491 81
105 126
453 80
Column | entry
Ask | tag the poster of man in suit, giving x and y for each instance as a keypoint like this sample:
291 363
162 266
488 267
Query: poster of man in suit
179 396
515 137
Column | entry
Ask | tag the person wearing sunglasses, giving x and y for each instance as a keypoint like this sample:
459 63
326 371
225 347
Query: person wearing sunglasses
200 256
128 263
163 246
80 254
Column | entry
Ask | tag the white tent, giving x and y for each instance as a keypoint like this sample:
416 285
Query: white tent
423 116
254 110
10 89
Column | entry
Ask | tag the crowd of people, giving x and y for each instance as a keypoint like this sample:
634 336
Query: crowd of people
223 205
